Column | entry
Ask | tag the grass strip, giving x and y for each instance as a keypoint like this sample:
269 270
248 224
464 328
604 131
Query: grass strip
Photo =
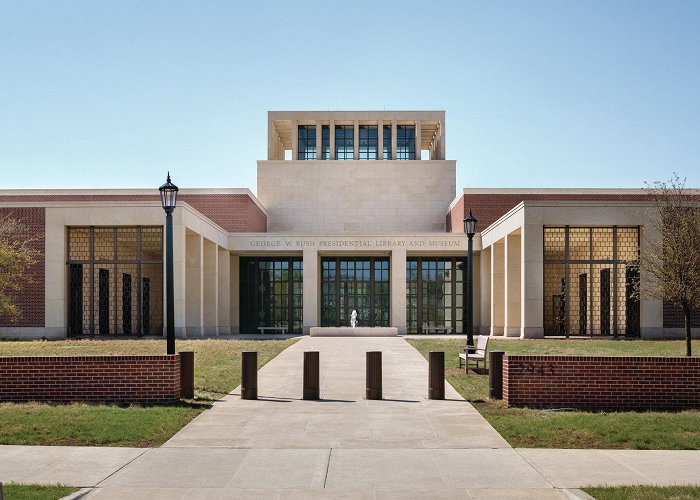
529 428
13 491
217 372
644 492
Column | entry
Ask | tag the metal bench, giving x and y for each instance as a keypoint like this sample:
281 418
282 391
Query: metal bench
265 329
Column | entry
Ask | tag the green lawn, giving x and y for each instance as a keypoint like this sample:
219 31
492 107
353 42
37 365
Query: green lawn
577 429
35 492
644 492
217 372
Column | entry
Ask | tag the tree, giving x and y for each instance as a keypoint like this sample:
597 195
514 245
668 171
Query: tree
670 258
17 255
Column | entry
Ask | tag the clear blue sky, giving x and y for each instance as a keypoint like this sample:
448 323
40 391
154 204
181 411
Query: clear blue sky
537 94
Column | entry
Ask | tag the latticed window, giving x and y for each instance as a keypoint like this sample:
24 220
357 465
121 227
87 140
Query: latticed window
355 283
405 142
344 142
434 294
590 274
368 142
306 142
271 293
115 280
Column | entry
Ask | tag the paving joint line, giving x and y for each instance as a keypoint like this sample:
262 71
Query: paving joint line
97 485
328 466
549 481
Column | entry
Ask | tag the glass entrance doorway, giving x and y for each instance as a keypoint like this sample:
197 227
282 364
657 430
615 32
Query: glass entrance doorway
355 283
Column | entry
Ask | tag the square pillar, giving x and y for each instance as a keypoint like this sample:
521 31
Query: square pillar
319 142
485 291
295 140
393 139
418 139
497 288
356 140
380 140
193 292
311 289
224 292
331 128
398 289
210 288
512 285
532 281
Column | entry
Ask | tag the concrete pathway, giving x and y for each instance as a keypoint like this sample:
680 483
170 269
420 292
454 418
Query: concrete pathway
343 446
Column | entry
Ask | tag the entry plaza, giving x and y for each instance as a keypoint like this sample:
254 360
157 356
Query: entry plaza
354 211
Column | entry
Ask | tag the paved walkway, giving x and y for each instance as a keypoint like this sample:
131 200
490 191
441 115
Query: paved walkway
343 446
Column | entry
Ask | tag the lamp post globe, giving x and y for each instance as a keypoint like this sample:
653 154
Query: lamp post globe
470 230
168 199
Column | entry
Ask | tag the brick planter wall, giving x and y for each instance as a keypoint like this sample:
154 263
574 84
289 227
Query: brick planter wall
602 382
133 379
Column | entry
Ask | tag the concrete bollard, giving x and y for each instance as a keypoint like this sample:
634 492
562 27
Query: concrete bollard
311 375
249 375
374 375
496 374
436 375
187 374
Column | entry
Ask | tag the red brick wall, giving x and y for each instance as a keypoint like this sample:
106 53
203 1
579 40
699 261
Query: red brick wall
236 213
30 300
143 379
233 212
601 382
488 208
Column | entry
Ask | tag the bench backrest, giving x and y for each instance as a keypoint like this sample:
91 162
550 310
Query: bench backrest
482 342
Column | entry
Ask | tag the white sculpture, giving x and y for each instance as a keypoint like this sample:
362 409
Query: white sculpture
353 318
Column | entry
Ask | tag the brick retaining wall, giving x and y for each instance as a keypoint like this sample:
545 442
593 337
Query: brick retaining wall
602 382
137 379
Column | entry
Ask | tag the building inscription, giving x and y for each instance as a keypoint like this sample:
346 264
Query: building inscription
330 243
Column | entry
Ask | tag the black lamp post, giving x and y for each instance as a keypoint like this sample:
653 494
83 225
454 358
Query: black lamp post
168 198
470 229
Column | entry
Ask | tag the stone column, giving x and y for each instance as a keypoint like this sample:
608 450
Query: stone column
393 139
295 140
235 295
356 140
398 289
210 288
442 142
319 135
512 287
310 289
224 292
332 136
532 280
193 297
418 139
179 276
485 290
380 139
497 288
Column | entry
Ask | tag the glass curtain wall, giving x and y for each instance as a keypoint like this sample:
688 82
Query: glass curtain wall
368 142
306 142
325 142
405 142
344 142
271 293
589 277
359 283
434 294
115 281
386 142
